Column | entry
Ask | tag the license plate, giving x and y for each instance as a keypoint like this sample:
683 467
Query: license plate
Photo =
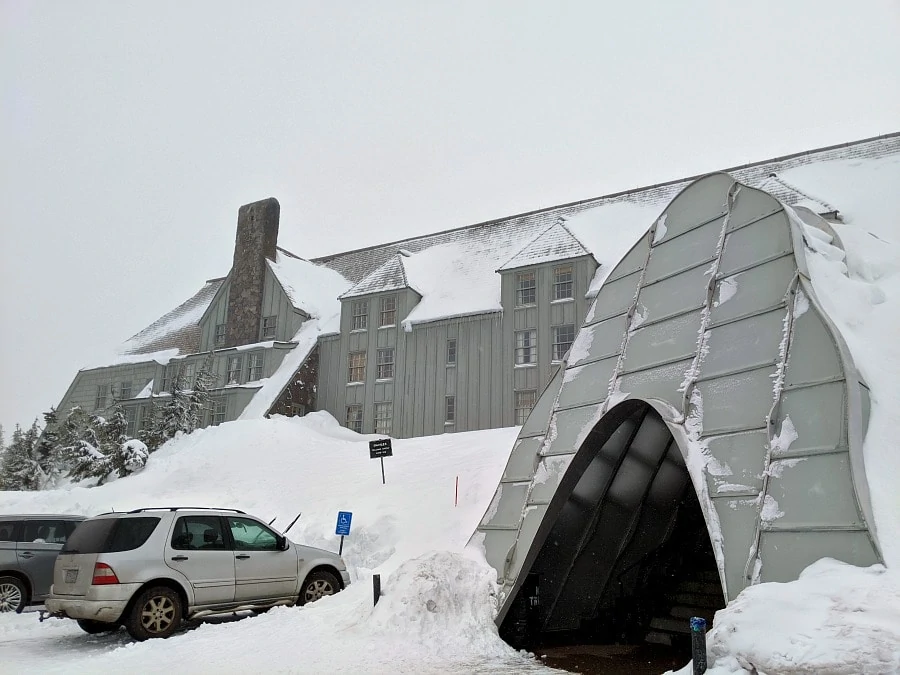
71 576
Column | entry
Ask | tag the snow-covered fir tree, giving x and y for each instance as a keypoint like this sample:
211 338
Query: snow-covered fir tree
199 396
20 468
97 447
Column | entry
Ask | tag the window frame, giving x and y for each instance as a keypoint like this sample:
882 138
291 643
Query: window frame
390 313
101 395
359 315
249 547
359 368
556 353
564 285
269 327
223 533
526 294
525 347
219 334
189 375
125 391
384 369
520 411
238 363
450 409
217 411
451 351
384 423
131 426
357 421
255 362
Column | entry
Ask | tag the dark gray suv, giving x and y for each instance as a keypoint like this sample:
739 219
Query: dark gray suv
29 545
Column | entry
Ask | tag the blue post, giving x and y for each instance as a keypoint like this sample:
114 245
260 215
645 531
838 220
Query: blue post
698 644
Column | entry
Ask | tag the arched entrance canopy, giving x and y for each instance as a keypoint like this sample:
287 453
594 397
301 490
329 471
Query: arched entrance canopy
711 319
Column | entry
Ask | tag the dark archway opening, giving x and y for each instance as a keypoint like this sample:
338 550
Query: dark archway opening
628 559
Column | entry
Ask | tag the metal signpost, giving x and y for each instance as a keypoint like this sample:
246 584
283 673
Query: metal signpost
343 527
379 450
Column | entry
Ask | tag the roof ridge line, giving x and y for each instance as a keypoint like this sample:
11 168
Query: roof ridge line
621 193
526 245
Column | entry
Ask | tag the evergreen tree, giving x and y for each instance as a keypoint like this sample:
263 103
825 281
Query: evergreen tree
47 444
20 469
199 396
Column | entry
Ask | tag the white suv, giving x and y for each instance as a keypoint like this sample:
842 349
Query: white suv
151 569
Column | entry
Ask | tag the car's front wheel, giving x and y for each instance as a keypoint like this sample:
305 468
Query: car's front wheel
318 584
156 613
94 627
13 595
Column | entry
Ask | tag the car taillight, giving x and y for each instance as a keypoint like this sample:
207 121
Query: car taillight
103 575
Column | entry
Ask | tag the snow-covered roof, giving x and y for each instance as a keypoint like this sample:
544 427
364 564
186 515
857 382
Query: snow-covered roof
554 243
389 277
178 329
357 264
313 289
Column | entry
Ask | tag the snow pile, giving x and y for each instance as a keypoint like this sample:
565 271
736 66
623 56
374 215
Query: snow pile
436 613
835 619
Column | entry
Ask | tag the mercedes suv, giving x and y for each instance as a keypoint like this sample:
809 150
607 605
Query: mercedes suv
151 569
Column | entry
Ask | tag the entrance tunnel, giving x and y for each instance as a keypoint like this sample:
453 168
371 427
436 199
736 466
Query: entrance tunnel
628 559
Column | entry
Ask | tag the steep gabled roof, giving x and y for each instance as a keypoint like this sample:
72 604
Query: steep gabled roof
389 277
311 288
554 243
178 329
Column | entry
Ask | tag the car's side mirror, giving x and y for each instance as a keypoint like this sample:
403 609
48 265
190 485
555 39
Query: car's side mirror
281 542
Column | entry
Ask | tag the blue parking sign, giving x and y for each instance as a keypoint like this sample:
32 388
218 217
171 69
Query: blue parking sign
343 523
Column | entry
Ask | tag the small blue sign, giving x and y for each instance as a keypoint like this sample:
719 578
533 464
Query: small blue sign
343 523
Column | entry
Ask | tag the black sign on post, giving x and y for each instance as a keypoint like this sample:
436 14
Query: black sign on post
379 450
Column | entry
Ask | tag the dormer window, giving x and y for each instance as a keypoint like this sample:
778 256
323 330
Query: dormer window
219 337
268 327
388 311
359 313
563 283
525 289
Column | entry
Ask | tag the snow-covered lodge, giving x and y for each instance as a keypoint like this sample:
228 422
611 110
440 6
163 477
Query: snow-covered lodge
453 331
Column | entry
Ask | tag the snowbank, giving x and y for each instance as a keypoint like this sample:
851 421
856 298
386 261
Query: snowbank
835 619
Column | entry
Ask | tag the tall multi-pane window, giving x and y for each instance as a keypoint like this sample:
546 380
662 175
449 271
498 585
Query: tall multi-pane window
359 315
145 418
219 336
268 326
526 346
563 336
355 418
383 415
131 422
217 412
187 375
234 370
168 375
449 409
563 283
357 367
388 316
451 352
100 398
385 363
125 390
524 403
255 366
525 288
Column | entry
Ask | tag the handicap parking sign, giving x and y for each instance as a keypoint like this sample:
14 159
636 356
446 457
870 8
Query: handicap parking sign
343 523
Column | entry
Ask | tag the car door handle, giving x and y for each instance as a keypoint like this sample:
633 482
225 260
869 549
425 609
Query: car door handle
242 556
179 558
27 554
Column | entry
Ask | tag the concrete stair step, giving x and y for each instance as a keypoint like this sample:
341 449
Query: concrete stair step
670 625
657 638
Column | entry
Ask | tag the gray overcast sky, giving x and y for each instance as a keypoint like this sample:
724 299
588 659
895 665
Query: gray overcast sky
130 133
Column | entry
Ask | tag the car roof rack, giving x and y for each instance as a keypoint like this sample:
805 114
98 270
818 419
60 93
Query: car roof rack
184 508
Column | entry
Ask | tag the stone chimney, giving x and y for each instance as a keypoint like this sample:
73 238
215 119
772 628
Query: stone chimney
257 236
